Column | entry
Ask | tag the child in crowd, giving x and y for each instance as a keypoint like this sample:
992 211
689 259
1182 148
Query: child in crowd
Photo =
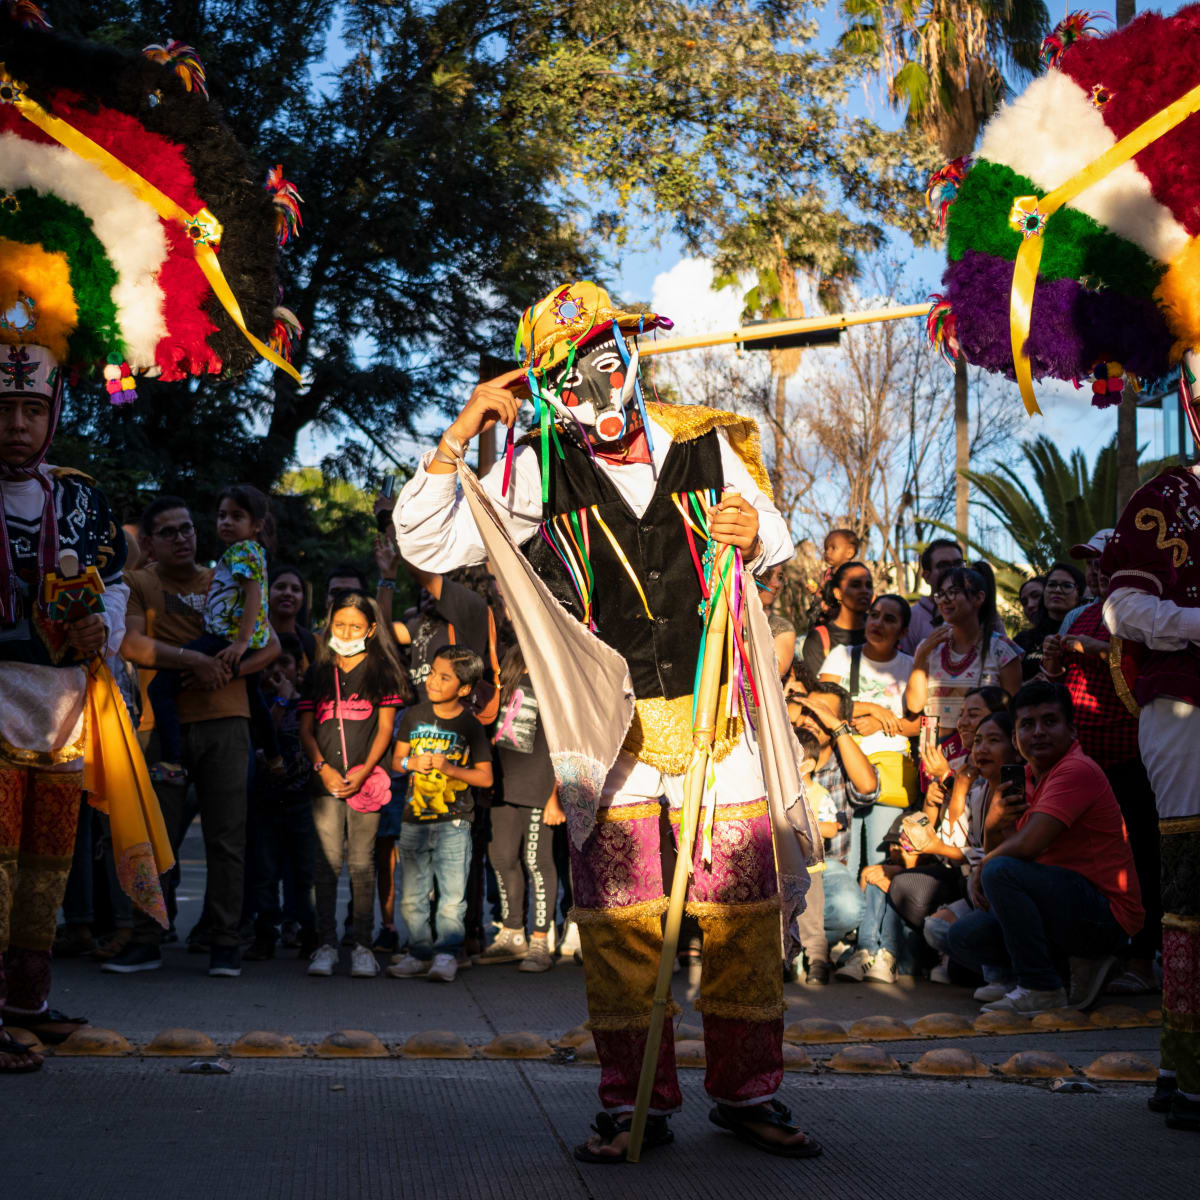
841 546
445 753
347 713
522 821
235 623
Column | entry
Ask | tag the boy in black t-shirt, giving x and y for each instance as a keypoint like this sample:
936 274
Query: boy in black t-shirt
445 752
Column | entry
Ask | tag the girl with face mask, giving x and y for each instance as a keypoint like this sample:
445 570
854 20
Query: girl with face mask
347 713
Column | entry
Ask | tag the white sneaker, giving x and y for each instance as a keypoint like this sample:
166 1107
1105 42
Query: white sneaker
1088 976
363 964
993 991
323 960
941 973
406 966
882 967
444 968
570 940
538 957
854 969
509 946
1029 1003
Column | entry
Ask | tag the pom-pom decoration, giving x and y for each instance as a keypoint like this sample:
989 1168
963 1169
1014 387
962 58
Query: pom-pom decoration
1074 236
128 218
1067 32
940 328
287 201
119 383
184 61
943 187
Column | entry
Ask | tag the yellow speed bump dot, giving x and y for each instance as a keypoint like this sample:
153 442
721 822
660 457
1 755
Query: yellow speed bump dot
1118 1016
796 1059
880 1029
943 1025
814 1030
864 1060
178 1043
27 1038
689 1053
265 1043
1152 1016
351 1043
1128 1067
585 1052
947 1060
1036 1064
1002 1022
94 1043
436 1043
574 1037
518 1045
1062 1020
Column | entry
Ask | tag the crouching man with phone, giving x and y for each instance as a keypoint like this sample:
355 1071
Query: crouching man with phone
1057 894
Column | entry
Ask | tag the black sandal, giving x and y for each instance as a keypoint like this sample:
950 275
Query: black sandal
658 1133
740 1122
27 1059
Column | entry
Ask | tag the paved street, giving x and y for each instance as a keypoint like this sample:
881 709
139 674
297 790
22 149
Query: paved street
400 1127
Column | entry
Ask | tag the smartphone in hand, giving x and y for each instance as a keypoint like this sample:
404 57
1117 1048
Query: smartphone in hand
1012 780
383 518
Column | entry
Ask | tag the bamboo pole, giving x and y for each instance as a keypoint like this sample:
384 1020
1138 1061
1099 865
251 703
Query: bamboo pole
703 732
773 329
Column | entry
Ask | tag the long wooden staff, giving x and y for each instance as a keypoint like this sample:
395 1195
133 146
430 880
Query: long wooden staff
703 734
647 348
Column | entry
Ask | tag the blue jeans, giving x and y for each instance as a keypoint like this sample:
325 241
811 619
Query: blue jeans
1039 916
439 850
867 830
882 928
843 902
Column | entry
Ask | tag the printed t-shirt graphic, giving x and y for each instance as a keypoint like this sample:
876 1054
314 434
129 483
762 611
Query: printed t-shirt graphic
432 795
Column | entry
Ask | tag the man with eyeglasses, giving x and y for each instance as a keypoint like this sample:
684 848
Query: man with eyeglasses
166 604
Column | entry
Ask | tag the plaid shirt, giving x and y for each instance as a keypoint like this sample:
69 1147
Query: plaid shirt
1108 732
844 798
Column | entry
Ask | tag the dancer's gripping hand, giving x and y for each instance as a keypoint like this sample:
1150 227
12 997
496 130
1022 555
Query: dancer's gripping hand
734 522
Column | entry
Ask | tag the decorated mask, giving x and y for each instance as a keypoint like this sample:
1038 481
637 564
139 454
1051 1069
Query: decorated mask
595 385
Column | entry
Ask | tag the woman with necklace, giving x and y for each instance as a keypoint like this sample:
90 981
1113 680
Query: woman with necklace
963 653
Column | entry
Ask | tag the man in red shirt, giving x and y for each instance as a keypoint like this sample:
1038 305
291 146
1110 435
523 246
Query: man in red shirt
1058 882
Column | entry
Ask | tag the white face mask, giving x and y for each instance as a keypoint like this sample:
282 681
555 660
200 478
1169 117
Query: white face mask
347 649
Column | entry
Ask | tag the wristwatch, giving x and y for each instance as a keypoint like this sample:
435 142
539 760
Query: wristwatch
317 766
843 730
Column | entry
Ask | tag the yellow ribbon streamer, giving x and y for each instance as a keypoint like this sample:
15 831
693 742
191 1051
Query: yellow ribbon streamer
202 227
1030 215
612 541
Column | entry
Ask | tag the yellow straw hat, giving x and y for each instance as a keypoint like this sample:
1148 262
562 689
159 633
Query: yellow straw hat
567 317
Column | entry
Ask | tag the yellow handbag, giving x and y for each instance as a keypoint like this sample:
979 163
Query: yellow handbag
897 778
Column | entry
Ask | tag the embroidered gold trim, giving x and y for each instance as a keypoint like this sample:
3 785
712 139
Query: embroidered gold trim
1116 647
619 1022
730 812
1183 924
44 758
1180 1022
727 914
740 1012
660 734
1179 825
630 912
627 812
1151 518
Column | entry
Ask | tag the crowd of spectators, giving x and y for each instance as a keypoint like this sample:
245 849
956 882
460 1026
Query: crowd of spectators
985 812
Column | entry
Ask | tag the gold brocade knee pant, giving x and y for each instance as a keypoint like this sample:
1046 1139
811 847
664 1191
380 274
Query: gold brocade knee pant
1180 842
617 878
39 811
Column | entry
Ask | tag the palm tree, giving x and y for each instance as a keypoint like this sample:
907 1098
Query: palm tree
945 61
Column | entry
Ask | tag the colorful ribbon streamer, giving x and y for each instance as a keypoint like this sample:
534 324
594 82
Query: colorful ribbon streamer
1031 214
202 228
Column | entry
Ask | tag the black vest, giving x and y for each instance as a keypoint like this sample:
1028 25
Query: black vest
661 652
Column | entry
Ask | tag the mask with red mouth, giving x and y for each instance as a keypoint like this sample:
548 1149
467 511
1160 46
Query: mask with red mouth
594 386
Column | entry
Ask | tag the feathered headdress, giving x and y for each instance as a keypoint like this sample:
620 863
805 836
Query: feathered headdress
1074 238
129 226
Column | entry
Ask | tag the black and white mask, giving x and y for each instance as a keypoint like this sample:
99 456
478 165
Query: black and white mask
596 388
